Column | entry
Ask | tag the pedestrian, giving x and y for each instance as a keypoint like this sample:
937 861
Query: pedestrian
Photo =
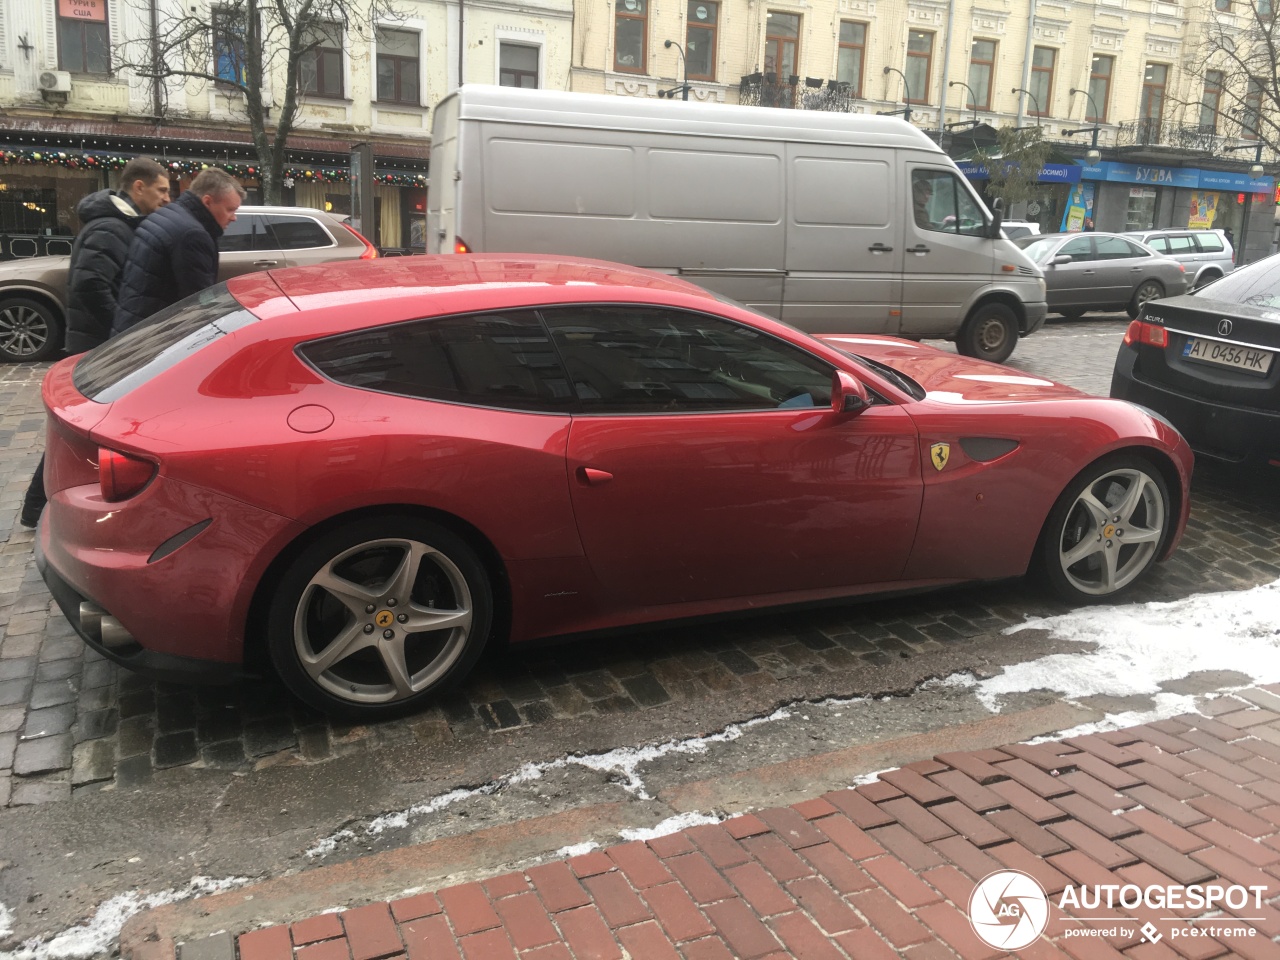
1088 224
175 253
1231 237
108 220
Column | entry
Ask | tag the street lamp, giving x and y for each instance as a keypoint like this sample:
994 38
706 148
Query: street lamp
906 97
1033 100
973 99
684 68
1255 170
1093 154
1093 105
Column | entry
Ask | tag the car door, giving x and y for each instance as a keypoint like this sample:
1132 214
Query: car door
706 463
247 245
1120 267
301 239
1072 284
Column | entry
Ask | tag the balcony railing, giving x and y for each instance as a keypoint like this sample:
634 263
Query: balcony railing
1151 132
766 90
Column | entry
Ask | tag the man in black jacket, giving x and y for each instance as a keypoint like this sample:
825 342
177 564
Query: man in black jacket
175 253
108 219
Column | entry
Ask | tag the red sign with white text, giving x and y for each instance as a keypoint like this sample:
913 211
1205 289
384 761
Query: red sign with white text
95 10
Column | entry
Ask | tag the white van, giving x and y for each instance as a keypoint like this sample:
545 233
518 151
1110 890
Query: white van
833 222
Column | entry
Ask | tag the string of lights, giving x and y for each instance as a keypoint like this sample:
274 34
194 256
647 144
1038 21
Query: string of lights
73 160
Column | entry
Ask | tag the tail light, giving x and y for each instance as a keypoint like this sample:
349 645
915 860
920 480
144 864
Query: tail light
121 476
1148 333
460 245
370 251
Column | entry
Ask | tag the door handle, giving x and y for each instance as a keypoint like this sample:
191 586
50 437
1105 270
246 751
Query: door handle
880 248
918 248
265 263
593 477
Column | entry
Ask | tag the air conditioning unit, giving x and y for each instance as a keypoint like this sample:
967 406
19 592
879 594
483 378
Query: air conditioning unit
54 81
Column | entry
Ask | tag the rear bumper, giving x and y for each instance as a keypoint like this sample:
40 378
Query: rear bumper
1216 431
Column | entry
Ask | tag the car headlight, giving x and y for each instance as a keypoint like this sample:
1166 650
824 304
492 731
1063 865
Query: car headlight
1040 284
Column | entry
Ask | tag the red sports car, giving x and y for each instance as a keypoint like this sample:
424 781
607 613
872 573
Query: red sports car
363 473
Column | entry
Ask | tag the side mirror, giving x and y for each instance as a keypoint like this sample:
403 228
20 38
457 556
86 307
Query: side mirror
848 395
1061 258
997 217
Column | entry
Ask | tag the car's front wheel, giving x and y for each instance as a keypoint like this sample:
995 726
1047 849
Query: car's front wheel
377 616
29 330
1147 290
1106 529
990 333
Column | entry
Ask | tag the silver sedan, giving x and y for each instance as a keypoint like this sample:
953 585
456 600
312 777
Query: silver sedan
1102 271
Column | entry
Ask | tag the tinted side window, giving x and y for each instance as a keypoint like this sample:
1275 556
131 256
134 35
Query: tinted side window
1159 244
1079 249
1210 242
1117 248
493 360
298 233
630 359
246 232
1181 245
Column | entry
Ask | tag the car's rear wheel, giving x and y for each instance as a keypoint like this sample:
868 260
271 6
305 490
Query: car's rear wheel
1205 278
379 615
1147 290
1106 530
29 330
990 333
1071 314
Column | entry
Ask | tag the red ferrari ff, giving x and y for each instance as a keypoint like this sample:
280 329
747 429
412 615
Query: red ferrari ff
364 473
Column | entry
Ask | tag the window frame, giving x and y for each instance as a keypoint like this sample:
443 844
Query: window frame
1104 79
860 49
221 36
927 57
713 28
1251 110
84 25
1152 91
1041 81
317 52
517 72
990 67
784 42
1212 87
620 16
398 61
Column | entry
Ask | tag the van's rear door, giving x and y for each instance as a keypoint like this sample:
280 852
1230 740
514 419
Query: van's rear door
844 241
442 195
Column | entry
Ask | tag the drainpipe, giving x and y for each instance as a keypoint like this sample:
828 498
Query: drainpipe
946 67
1026 63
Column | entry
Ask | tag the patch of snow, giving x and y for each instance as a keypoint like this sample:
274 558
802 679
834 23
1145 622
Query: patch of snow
6 921
681 821
575 850
871 777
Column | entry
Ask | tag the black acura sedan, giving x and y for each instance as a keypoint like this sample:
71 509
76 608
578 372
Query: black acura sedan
1207 362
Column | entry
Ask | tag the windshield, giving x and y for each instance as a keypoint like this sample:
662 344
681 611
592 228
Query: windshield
1257 285
1037 250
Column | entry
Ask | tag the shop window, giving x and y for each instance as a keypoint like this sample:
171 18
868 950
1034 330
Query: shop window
982 65
630 35
28 210
518 65
919 65
84 44
782 46
398 66
1043 62
1100 89
1211 101
700 41
321 69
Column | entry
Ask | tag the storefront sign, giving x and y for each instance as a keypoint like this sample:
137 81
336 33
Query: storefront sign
1223 180
1186 177
1049 173
95 10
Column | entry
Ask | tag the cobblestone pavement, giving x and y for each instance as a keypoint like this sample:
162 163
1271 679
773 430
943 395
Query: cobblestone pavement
71 721
884 870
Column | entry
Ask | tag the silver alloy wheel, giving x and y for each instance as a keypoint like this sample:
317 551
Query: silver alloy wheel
382 621
1112 531
1149 290
23 330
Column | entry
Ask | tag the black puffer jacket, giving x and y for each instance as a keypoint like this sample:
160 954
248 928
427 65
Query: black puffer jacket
97 260
174 254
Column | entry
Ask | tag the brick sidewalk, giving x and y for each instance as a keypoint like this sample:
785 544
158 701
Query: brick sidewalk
882 870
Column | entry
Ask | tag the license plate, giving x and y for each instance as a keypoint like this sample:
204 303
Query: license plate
1232 355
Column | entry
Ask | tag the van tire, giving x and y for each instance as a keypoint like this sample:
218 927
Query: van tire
990 333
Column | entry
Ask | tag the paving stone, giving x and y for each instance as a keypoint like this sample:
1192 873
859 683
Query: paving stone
175 713
15 691
228 754
43 755
272 735
52 694
92 761
30 793
134 771
50 721
175 749
18 668
135 737
94 725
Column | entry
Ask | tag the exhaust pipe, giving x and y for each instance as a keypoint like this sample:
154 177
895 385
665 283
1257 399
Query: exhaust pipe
103 628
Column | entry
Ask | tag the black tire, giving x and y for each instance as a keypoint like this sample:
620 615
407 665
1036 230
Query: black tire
1205 279
374 556
29 330
1111 552
1071 314
990 333
1147 290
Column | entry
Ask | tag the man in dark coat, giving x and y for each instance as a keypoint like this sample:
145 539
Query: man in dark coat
175 253
108 220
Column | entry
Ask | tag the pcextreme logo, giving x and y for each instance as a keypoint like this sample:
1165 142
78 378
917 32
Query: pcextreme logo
1008 910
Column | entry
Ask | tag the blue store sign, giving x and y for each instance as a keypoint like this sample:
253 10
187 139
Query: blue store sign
1191 177
1049 173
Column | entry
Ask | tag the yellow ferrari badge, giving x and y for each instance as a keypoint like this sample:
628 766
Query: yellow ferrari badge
939 453
384 618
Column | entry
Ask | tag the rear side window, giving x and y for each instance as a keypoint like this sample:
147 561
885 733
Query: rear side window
164 339
1182 244
1159 244
492 360
1118 248
1210 242
298 233
246 232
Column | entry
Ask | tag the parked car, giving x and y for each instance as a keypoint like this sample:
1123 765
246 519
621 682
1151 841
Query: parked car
1101 271
33 292
410 458
1207 362
1207 254
1017 229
